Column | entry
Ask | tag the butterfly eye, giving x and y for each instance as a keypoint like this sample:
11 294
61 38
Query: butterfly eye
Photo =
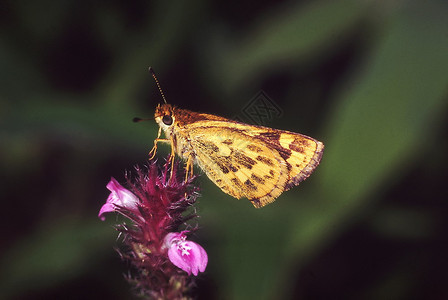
167 120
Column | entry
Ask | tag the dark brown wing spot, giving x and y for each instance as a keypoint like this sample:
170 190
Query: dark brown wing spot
257 179
254 148
296 146
284 153
270 136
296 149
243 160
226 165
271 172
227 142
237 182
299 144
249 184
209 147
265 160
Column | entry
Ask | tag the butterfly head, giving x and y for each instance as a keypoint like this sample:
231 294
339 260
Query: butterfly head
164 116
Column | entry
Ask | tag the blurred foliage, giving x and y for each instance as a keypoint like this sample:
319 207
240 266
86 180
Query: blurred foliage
368 78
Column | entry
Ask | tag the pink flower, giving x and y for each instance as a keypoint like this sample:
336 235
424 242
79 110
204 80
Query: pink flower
119 198
159 203
186 255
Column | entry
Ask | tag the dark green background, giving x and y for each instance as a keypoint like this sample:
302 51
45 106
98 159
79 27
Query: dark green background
368 78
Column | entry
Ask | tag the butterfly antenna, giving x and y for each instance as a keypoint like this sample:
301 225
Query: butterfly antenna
157 82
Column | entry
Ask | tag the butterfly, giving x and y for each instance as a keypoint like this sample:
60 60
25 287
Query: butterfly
244 161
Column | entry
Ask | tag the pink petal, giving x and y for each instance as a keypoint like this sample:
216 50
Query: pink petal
121 196
118 198
203 258
186 255
107 207
176 258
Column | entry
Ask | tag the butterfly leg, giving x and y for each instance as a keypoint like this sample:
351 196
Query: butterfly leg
153 151
189 167
172 156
